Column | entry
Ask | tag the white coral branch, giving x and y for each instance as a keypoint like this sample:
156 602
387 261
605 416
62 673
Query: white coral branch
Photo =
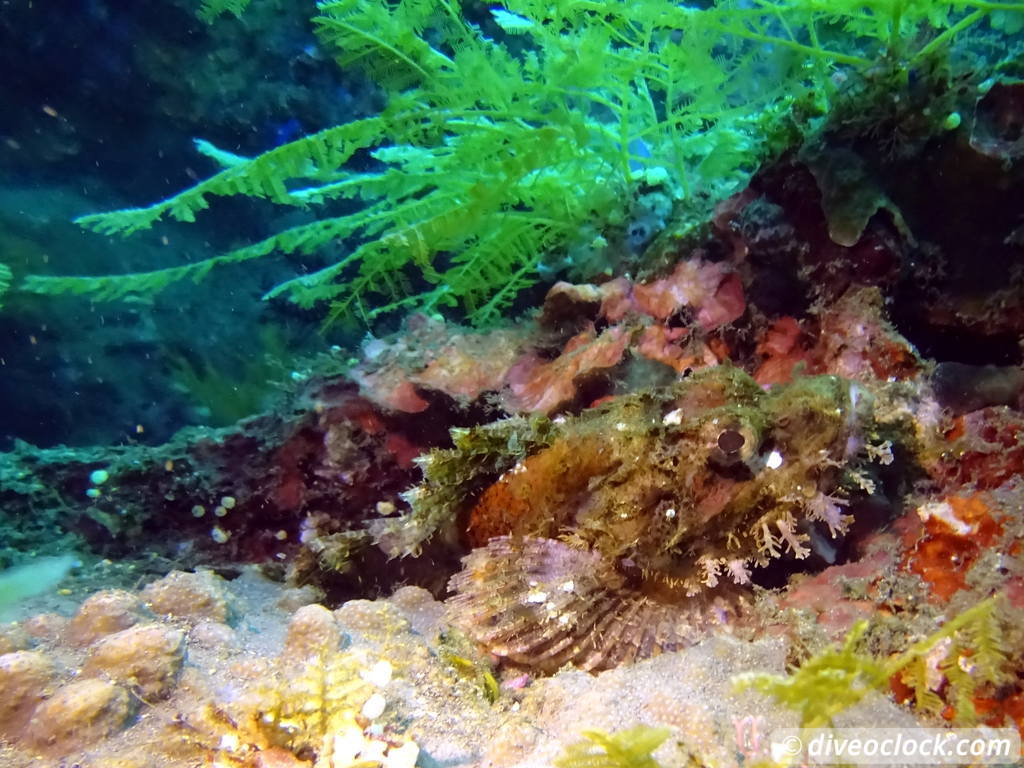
738 570
794 540
710 567
768 545
829 510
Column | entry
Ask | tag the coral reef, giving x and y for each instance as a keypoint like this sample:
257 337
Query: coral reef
769 435
241 494
132 695
373 683
431 359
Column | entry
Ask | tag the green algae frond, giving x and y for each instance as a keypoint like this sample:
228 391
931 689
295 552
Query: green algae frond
973 654
502 142
629 748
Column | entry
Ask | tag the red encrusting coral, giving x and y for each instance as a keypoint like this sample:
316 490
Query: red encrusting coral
616 299
470 364
781 352
951 536
825 597
399 374
856 341
984 448
430 356
677 348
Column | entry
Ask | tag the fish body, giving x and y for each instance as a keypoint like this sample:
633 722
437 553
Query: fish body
637 527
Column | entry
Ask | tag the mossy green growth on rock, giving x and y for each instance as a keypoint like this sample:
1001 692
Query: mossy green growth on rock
453 477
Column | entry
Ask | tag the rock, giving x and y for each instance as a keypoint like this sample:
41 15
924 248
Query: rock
192 596
570 306
212 635
104 613
275 757
145 658
293 598
312 631
426 614
25 679
375 619
404 756
48 627
539 385
13 637
964 388
79 714
374 706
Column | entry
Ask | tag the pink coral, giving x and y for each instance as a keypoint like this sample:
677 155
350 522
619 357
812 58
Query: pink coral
430 356
857 341
826 598
725 305
710 290
471 364
781 351
714 293
389 389
540 386
616 299
658 342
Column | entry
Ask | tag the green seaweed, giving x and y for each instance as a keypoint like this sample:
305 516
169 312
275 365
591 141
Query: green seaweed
972 650
240 384
629 748
211 9
502 143
5 281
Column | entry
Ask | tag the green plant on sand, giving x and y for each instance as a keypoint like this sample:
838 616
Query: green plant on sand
629 748
510 145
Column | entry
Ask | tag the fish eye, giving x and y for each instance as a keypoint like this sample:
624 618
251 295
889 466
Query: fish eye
731 441
731 446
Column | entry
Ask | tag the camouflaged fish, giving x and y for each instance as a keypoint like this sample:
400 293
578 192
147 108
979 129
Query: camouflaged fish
638 524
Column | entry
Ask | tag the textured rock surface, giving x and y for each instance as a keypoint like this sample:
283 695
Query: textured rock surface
25 679
13 637
388 682
146 659
191 596
312 630
104 613
77 715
